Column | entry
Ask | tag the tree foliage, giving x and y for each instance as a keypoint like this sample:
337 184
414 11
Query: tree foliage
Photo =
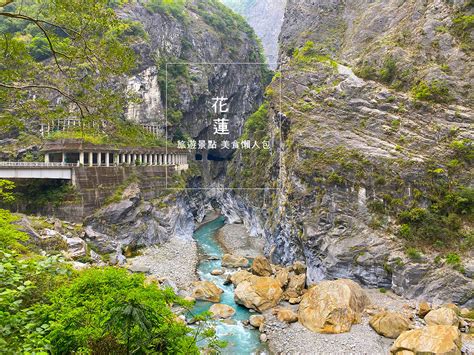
60 56
45 307
108 310
6 187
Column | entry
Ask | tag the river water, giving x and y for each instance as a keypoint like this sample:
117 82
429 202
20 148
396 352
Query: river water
241 339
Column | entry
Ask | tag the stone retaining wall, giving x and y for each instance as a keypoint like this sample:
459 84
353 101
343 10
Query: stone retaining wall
94 185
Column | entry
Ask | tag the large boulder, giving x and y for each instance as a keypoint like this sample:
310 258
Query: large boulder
286 315
452 306
206 291
220 310
76 247
100 240
434 339
332 306
423 309
282 276
295 286
256 320
442 316
261 266
229 260
258 293
389 324
239 276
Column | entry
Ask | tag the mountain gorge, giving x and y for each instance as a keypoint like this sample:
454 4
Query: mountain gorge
356 219
197 33
370 159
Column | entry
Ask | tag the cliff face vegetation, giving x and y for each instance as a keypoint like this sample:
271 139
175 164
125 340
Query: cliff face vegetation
375 142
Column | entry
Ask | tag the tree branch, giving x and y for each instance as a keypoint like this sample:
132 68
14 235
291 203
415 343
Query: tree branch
49 87
39 24
31 19
5 3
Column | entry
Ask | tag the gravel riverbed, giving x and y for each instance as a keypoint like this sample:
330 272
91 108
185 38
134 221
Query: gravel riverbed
362 339
176 260
296 339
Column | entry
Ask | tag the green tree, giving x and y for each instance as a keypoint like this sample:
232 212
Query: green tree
10 236
110 309
6 187
24 282
58 58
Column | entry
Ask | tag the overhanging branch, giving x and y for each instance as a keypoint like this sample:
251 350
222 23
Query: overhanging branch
5 3
79 104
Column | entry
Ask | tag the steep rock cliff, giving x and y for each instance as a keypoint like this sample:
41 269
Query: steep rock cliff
369 169
266 18
400 43
182 66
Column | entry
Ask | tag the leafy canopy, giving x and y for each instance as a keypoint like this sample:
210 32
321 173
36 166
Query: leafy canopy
60 55
108 310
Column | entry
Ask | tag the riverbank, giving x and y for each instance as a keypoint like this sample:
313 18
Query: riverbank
362 339
178 261
175 260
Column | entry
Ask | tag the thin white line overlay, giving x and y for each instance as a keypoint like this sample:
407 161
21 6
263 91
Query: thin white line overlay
279 124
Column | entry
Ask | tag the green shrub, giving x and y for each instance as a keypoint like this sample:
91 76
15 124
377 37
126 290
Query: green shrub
376 206
463 149
435 91
453 259
413 253
405 230
309 54
395 123
366 71
439 244
99 310
335 178
462 27
10 235
6 188
257 122
173 8
110 308
223 20
415 215
388 71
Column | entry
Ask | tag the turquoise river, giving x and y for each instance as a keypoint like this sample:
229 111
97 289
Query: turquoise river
241 339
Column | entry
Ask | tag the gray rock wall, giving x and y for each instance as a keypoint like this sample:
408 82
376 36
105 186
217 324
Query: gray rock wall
266 18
